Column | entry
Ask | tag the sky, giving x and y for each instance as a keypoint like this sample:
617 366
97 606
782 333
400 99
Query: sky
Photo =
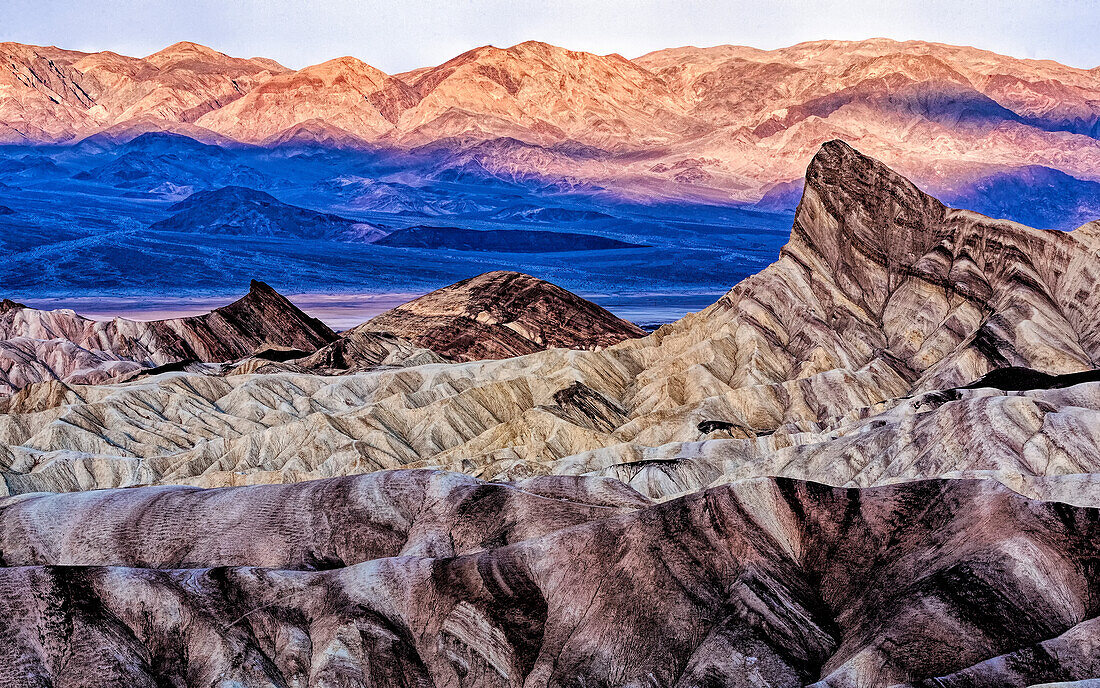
398 36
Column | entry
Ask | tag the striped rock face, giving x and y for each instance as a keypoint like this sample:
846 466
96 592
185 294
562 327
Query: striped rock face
423 578
501 315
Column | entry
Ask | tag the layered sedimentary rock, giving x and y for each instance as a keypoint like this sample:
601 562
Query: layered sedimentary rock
362 350
365 517
37 346
559 581
502 314
844 361
354 351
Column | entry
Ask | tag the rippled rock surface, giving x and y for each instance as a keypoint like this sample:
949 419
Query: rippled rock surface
428 579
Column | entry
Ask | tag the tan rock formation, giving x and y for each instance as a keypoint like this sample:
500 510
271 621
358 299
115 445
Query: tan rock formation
49 94
345 93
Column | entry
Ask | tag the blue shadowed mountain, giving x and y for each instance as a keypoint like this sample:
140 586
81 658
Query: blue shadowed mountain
500 240
168 164
782 197
107 216
242 212
1034 195
305 220
30 167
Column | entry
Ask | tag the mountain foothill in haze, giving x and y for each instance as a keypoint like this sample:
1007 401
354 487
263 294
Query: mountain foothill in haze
689 152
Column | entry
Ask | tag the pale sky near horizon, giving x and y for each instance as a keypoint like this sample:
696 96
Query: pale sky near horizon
395 37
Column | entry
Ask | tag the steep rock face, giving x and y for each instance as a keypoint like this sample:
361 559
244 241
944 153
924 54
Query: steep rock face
263 316
950 293
764 583
43 100
45 345
502 314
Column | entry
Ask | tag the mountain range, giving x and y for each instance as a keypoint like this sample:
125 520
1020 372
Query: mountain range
491 316
874 463
722 124
859 343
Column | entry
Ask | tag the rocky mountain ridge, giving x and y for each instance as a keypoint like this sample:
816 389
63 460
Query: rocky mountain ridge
726 123
60 345
495 315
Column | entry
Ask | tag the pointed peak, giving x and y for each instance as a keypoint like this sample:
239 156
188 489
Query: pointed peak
474 55
273 65
854 204
343 68
256 286
547 50
9 305
183 48
534 46
346 61
274 310
835 149
837 169
501 314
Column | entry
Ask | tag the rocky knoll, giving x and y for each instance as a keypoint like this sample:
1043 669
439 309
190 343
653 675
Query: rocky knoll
361 350
559 581
60 345
845 361
241 211
502 314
